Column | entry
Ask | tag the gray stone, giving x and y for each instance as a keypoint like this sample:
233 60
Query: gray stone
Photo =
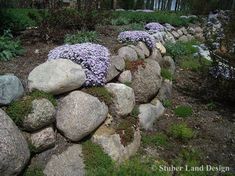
169 38
180 32
42 114
14 154
117 64
156 55
149 113
68 163
57 76
191 30
175 34
10 89
123 100
169 27
111 143
165 91
128 53
125 77
43 139
190 37
161 48
168 63
183 29
139 51
79 114
159 36
144 48
198 29
183 38
147 81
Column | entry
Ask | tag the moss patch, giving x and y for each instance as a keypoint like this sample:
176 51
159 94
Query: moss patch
126 129
101 92
34 171
19 109
158 139
183 111
182 132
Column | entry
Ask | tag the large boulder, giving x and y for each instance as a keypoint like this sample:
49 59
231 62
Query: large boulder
14 151
161 48
168 63
116 66
175 34
68 163
144 48
123 100
57 76
183 38
139 51
146 81
10 89
43 139
149 113
169 38
128 53
79 114
156 55
42 114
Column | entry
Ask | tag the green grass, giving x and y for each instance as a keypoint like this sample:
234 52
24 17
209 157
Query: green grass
167 103
81 37
19 109
180 49
33 171
183 111
101 92
181 131
123 18
158 139
166 74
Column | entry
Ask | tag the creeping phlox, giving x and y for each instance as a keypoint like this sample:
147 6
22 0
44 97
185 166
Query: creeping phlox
136 36
154 27
94 59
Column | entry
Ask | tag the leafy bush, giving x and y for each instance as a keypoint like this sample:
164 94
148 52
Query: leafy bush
183 111
160 17
8 47
166 74
136 36
81 37
19 109
181 131
158 139
93 58
180 49
19 19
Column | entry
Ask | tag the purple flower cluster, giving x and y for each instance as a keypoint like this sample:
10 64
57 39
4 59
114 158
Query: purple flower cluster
135 36
94 59
154 27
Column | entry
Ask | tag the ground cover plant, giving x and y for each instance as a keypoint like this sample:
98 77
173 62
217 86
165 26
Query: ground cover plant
166 74
81 37
183 111
181 131
9 48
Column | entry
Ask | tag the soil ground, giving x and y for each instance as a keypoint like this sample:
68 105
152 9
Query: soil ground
215 129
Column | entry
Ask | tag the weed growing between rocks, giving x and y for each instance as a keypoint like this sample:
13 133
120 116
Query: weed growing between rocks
166 74
101 93
19 109
128 84
34 171
183 111
181 131
167 103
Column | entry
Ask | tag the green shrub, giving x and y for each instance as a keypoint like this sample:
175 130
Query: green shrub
102 93
120 21
8 47
81 37
158 139
167 103
183 111
180 48
97 163
181 131
18 109
34 171
166 74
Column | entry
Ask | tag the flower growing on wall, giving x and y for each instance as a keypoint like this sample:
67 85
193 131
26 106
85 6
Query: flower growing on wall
136 36
93 58
154 27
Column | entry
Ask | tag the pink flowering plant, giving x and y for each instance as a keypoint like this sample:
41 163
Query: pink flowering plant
154 27
94 59
136 36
